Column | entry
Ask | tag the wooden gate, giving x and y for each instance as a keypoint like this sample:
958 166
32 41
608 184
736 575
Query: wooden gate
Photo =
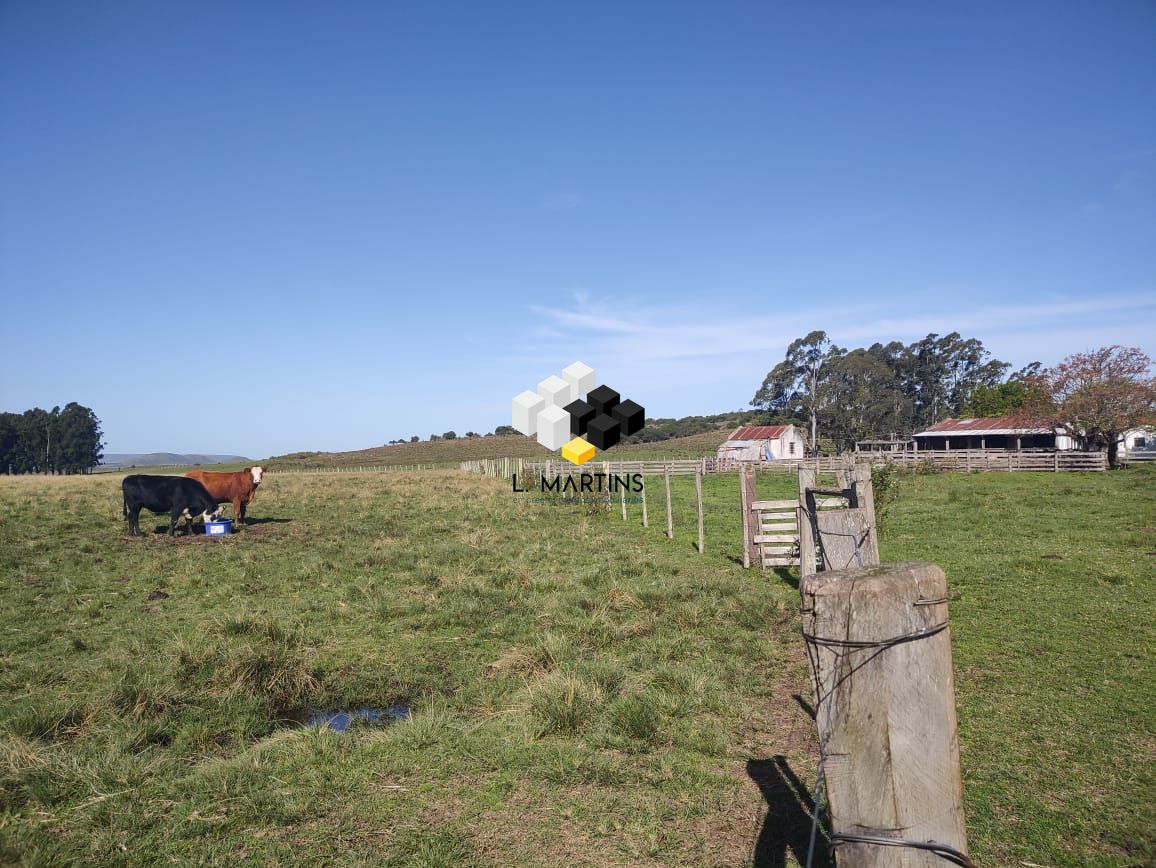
777 539
821 530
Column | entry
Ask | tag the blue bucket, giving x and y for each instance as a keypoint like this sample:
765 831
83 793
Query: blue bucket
224 527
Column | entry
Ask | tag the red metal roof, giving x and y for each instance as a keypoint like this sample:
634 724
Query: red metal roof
975 426
760 432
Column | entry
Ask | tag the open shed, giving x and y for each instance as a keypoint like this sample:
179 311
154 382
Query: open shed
990 433
764 443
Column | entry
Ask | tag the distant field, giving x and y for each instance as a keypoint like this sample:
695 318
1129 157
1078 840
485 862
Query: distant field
583 691
170 469
451 452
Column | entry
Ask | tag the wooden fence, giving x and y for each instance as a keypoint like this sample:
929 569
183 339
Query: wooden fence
501 468
1137 456
956 460
676 467
364 468
994 460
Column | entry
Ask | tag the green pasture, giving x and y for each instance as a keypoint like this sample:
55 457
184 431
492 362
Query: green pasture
582 690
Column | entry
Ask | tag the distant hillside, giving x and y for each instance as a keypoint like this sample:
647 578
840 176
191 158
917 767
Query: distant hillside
688 437
450 452
166 459
424 452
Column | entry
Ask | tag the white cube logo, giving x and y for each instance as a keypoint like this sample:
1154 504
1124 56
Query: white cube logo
526 408
553 427
555 390
580 377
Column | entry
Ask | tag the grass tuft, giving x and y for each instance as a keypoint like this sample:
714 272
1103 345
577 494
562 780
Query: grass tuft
636 718
563 702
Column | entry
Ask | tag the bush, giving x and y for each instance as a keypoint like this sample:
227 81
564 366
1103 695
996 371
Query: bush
885 483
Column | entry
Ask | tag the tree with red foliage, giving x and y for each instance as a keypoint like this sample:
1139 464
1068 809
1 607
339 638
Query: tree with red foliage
1097 396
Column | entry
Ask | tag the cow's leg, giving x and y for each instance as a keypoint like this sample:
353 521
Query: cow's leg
244 504
174 517
238 511
134 521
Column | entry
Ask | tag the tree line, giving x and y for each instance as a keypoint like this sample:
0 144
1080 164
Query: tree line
55 441
893 390
882 391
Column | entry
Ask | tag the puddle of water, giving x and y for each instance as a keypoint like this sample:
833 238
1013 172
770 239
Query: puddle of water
340 721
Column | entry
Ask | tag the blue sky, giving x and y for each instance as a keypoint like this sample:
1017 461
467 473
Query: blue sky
269 226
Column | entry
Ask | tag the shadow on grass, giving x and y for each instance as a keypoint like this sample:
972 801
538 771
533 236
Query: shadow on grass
803 704
787 825
784 573
198 529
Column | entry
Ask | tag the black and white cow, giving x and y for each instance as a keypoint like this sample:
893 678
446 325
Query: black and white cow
176 495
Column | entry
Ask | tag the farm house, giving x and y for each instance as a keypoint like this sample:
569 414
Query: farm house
990 433
1137 440
764 443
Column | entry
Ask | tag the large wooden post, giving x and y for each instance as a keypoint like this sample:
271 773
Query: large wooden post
698 503
745 506
622 489
669 514
747 485
645 516
885 707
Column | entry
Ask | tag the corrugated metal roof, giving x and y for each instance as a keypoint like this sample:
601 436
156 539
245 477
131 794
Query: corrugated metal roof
990 425
760 432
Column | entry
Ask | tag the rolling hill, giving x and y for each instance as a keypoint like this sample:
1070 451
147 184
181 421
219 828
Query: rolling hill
451 452
165 459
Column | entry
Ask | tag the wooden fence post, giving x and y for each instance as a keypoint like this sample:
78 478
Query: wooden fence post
622 488
751 529
807 564
645 516
880 649
669 515
864 490
606 470
698 501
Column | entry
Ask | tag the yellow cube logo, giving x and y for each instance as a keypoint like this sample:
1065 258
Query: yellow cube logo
578 451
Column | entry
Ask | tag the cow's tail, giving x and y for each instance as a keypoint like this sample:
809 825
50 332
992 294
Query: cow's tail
124 503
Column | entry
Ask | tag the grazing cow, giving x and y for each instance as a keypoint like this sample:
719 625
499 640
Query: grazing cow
237 488
172 494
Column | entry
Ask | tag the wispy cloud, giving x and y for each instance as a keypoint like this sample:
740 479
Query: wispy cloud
711 354
562 202
705 330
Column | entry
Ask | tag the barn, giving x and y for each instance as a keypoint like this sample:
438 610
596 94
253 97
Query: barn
990 433
764 443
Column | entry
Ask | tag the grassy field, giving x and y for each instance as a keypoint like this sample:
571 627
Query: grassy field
450 452
582 690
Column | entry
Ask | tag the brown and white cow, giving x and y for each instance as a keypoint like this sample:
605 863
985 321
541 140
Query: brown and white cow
237 488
